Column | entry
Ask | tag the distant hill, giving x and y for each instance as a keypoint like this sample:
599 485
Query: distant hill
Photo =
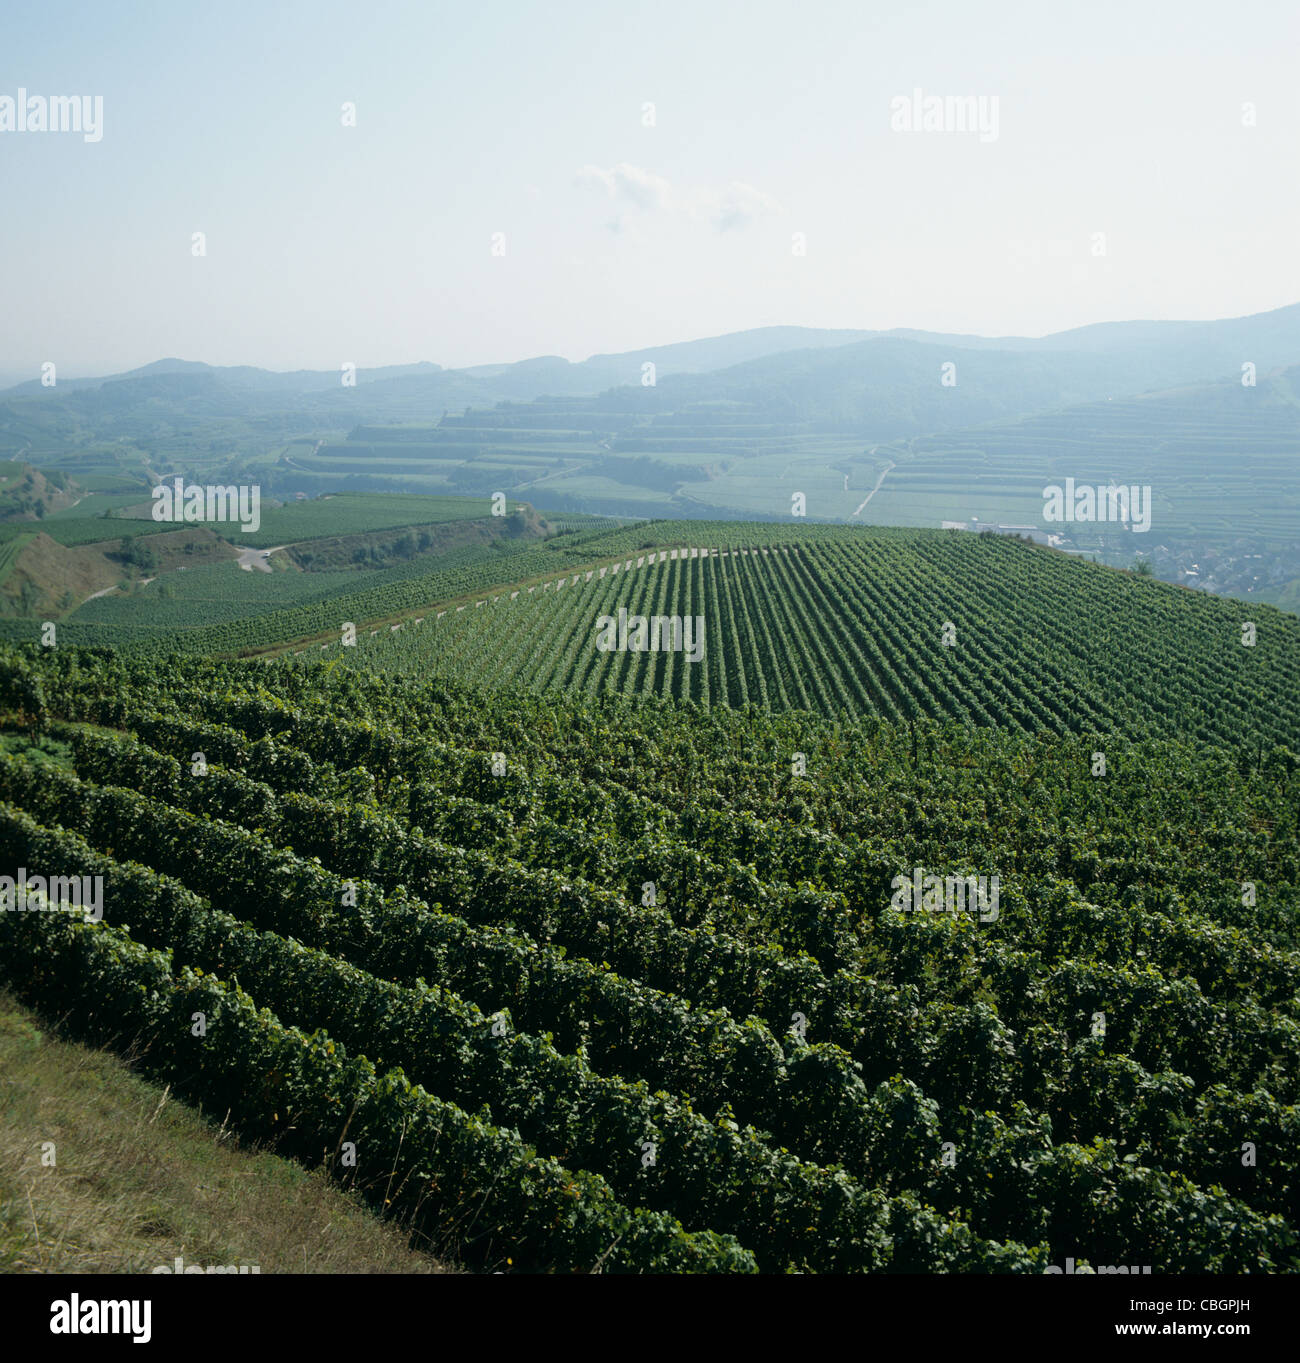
1167 352
728 426
887 388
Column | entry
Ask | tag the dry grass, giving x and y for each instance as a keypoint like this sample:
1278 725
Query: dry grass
84 569
139 1178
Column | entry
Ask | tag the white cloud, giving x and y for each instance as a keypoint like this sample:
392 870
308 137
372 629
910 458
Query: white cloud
734 205
739 204
629 182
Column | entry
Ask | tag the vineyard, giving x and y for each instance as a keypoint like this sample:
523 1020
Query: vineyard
901 625
403 589
593 982
844 622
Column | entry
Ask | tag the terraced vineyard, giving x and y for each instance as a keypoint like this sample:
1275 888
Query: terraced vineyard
898 624
581 983
1220 461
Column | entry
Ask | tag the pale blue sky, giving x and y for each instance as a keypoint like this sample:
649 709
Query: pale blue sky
373 244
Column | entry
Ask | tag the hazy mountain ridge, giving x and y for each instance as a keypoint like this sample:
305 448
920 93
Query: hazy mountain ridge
1191 350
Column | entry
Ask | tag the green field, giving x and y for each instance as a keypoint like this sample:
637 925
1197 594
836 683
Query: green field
210 594
93 505
344 513
84 529
357 512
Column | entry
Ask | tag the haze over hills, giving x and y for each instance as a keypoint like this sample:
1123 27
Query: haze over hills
902 427
1170 351
876 385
